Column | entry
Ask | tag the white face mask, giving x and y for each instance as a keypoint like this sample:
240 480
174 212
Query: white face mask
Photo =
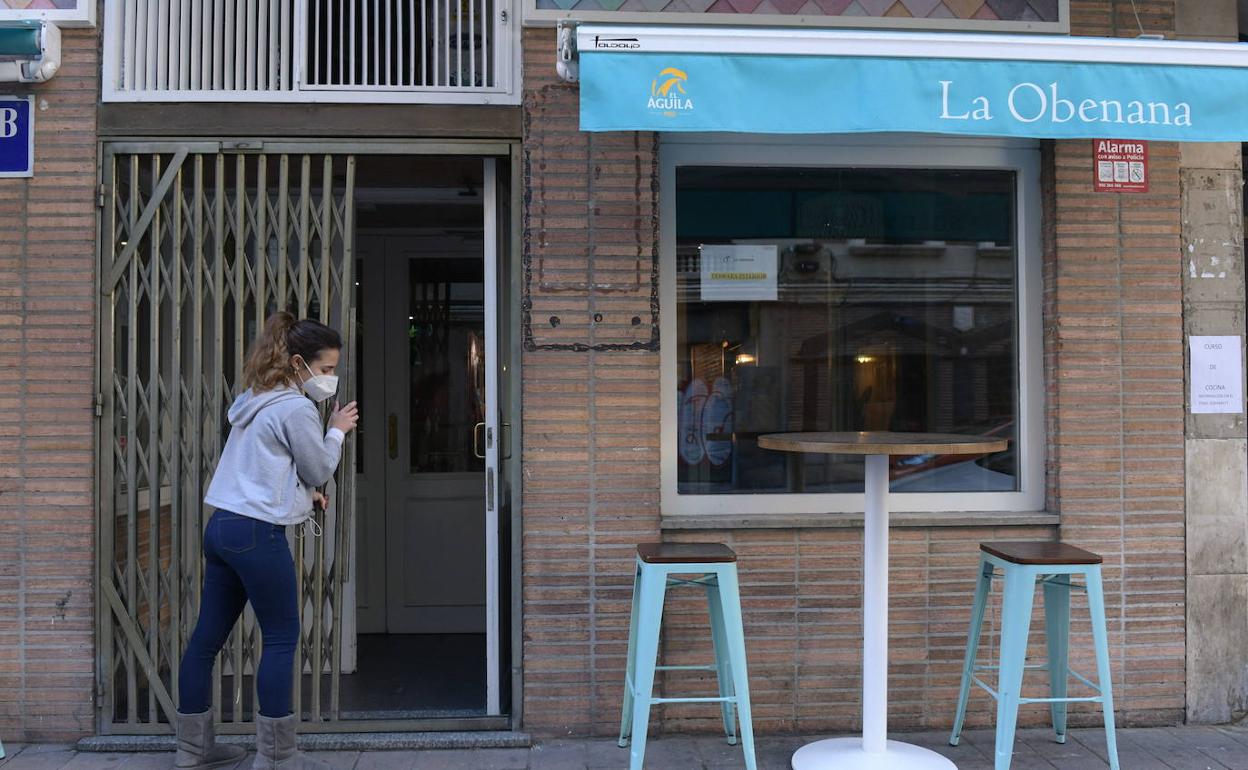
319 386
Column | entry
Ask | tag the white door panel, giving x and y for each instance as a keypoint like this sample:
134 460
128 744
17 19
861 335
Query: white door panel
435 522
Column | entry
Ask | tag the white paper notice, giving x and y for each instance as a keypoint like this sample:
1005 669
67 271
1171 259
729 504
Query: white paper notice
1217 375
737 272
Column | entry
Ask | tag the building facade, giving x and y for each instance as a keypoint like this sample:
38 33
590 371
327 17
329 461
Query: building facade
546 380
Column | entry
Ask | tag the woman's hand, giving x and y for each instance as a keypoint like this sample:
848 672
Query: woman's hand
345 418
319 500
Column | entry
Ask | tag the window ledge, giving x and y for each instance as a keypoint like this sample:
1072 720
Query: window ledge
854 520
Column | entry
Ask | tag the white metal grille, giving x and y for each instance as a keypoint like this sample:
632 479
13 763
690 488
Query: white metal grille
414 51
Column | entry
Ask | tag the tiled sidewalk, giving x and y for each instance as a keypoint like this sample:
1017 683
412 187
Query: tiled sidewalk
1179 748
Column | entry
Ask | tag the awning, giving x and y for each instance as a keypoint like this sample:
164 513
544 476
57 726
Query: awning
20 40
787 81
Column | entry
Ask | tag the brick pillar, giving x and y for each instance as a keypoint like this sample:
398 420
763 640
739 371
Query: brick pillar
1114 369
47 373
591 398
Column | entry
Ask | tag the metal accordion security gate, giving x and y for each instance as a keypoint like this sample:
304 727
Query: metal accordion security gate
199 243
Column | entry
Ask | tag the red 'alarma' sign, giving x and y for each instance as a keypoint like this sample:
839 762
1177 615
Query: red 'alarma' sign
1121 166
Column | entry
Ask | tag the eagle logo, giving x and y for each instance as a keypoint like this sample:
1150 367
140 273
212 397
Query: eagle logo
668 80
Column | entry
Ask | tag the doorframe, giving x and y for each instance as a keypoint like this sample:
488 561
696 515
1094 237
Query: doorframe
505 151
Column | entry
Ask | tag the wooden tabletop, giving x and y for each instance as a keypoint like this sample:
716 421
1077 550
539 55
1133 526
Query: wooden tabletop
883 443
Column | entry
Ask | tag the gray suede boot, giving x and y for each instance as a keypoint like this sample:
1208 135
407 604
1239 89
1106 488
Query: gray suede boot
276 749
197 746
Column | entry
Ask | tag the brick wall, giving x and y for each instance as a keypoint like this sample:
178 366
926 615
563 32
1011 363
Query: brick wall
1115 383
1114 378
47 370
1114 367
591 399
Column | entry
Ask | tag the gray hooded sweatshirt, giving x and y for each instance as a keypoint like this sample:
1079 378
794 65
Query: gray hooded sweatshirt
276 454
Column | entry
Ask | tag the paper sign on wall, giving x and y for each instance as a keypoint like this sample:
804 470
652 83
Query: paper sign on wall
1217 375
738 272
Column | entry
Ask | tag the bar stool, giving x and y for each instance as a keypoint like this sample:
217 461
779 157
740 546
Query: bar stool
715 566
1052 565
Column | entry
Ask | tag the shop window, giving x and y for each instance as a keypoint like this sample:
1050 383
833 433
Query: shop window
816 298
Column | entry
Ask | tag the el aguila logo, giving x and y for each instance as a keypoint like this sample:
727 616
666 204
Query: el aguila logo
668 94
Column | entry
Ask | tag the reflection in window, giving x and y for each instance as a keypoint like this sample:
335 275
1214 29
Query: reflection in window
843 300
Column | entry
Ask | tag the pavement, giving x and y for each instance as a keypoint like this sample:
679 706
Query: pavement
1154 748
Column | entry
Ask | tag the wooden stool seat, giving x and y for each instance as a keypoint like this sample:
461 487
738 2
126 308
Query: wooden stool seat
1040 553
685 553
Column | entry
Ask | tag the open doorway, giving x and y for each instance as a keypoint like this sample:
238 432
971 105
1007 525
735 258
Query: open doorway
425 587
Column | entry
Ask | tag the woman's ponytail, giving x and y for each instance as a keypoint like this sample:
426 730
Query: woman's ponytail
268 363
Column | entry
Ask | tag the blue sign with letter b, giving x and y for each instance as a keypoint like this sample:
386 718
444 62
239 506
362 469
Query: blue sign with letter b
17 136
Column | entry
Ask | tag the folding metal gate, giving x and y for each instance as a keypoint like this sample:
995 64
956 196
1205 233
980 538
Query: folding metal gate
198 245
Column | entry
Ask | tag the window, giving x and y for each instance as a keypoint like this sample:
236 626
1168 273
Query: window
847 289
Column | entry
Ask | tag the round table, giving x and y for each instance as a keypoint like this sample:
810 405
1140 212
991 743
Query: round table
873 751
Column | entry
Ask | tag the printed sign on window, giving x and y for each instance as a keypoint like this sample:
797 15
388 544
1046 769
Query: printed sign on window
739 273
1121 166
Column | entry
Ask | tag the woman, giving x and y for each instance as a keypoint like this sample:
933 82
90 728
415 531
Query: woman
275 458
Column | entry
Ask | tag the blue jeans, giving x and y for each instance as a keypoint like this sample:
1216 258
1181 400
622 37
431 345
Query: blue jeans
246 559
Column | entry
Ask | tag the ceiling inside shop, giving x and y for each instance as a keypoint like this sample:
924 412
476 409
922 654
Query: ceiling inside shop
430 193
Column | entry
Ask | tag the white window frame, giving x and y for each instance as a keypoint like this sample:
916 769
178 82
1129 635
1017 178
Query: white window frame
864 151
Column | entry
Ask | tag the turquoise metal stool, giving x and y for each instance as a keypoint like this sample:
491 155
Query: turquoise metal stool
1052 565
715 566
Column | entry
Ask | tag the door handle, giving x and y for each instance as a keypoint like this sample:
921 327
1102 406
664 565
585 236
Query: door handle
393 436
505 440
477 430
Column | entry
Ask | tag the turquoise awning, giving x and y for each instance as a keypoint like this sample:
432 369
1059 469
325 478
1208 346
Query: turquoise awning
785 81
20 40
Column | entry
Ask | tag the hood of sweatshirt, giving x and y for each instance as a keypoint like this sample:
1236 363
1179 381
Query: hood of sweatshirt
249 404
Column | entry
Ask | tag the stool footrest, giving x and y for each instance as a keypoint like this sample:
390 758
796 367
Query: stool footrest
708 667
1089 699
725 699
984 686
1042 667
1053 581
1085 680
1098 698
1028 667
1050 579
705 581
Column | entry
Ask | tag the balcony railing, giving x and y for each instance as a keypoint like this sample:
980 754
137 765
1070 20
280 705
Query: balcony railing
360 51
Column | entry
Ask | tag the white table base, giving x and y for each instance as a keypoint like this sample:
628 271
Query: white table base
873 750
848 754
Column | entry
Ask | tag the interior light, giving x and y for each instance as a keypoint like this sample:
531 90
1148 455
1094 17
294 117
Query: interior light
746 358
865 359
